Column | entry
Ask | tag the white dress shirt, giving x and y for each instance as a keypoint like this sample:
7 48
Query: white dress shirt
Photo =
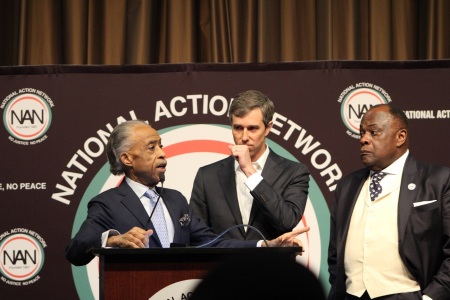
246 184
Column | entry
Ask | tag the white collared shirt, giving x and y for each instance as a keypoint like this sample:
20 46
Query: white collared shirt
394 175
246 184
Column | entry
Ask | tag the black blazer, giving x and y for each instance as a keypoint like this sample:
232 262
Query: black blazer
120 209
423 231
279 199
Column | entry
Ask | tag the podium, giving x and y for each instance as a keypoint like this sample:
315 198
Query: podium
142 273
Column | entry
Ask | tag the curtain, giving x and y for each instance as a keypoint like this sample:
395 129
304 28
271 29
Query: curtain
118 32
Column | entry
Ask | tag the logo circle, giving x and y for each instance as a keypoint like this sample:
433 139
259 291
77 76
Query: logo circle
27 116
357 101
22 257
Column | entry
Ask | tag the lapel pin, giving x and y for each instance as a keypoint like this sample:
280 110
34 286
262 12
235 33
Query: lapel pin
411 186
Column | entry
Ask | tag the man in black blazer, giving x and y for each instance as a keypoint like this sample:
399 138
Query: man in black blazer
396 246
253 186
120 217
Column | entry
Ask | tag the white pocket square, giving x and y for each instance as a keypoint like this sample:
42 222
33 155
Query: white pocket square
423 203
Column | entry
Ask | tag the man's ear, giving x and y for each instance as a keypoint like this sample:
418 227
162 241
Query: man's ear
268 128
402 135
126 159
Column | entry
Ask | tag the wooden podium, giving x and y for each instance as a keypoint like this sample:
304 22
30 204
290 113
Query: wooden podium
140 273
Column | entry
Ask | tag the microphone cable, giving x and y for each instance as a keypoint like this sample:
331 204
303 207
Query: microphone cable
235 226
162 178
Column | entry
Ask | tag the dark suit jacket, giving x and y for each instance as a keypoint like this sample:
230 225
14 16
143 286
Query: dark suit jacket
120 209
423 231
279 199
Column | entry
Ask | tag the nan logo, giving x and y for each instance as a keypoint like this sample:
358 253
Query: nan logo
21 256
27 116
356 100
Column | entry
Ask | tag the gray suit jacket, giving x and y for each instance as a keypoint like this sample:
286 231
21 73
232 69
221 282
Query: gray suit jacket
423 231
120 209
279 199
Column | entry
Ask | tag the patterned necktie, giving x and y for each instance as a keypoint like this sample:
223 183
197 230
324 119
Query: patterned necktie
375 186
158 220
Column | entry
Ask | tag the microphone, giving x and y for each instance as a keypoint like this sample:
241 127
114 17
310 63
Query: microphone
162 178
235 226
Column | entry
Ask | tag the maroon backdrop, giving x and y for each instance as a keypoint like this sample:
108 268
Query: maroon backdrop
55 123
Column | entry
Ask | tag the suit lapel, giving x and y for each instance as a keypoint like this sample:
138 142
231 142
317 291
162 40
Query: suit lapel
132 203
408 192
226 177
272 170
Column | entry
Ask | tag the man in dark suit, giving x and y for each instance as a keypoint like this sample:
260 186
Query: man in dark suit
253 186
390 224
133 215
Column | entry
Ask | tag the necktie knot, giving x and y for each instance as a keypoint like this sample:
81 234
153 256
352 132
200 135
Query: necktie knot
152 195
375 187
377 176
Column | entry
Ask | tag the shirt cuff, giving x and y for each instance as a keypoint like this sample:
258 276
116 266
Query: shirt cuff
253 180
107 234
425 297
259 243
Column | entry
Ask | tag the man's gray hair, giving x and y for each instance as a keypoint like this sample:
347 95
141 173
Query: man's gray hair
120 141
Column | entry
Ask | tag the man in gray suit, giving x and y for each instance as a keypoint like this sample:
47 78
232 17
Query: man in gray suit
390 224
253 186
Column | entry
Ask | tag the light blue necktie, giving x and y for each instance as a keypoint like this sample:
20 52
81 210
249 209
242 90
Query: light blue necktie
158 220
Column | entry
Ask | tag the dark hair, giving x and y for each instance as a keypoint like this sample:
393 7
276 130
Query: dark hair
120 141
249 100
397 113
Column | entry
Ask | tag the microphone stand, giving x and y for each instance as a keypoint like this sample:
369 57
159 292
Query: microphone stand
235 226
